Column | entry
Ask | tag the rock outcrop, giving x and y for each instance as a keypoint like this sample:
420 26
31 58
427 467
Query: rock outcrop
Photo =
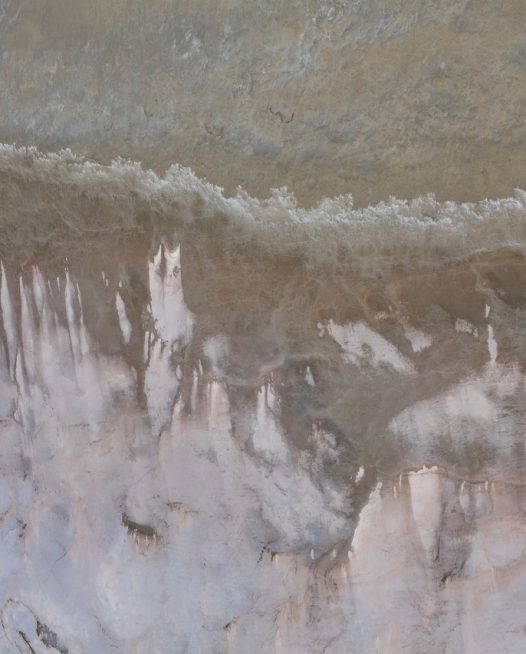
230 425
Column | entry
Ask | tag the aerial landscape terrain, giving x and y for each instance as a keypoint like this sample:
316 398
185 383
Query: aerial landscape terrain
262 327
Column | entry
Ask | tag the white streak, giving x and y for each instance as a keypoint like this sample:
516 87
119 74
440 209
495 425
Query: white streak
361 344
124 323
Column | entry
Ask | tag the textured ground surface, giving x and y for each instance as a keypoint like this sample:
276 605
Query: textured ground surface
373 97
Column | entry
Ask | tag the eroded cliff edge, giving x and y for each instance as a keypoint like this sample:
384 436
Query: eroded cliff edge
233 425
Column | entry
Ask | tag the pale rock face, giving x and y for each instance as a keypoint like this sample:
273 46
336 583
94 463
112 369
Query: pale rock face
233 426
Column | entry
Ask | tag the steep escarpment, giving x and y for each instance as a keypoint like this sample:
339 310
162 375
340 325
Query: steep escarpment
232 424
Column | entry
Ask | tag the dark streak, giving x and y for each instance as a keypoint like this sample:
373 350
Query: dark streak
136 528
26 640
280 115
